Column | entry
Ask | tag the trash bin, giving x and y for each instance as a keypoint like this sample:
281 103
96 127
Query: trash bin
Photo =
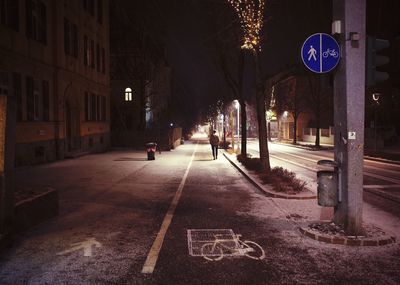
151 150
327 188
327 184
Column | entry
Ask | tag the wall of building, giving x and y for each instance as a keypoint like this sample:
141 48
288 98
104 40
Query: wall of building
50 77
326 136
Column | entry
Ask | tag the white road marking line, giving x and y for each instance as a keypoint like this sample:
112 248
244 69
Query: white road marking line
152 256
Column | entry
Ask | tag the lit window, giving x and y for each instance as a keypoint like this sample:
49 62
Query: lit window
128 94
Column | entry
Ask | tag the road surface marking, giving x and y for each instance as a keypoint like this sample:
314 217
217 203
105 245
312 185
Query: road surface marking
85 245
152 256
214 244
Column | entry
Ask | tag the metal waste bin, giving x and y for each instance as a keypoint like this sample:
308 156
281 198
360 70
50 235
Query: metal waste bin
151 150
327 184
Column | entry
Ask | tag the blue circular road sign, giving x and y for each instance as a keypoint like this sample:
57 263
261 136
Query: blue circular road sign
320 53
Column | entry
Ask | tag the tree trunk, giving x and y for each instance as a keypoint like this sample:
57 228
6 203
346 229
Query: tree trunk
262 131
243 114
261 118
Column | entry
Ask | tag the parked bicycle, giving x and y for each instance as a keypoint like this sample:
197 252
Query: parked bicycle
214 251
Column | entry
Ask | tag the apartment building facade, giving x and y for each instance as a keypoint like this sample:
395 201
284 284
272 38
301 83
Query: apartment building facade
54 59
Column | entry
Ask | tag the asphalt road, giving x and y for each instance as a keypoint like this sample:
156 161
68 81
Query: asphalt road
381 178
126 220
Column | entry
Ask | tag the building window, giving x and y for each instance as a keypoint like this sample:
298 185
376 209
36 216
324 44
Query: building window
93 107
85 51
98 57
18 94
92 65
87 106
4 85
103 60
70 38
9 14
36 100
91 7
104 105
67 36
29 98
128 94
100 11
36 21
46 101
88 6
98 108
313 131
75 42
324 132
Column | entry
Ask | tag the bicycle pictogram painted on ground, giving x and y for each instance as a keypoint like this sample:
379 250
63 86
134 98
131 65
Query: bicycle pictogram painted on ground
215 244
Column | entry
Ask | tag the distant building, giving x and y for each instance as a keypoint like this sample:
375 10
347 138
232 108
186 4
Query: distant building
54 59
301 105
140 82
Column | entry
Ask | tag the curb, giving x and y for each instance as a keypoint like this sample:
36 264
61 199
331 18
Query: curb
269 193
384 240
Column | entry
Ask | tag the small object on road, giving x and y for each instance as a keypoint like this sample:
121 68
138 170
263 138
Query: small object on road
151 150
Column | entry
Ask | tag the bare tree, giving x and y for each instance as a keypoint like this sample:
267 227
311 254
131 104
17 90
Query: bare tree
251 16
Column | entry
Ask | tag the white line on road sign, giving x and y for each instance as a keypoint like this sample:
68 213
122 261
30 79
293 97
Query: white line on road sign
320 53
152 256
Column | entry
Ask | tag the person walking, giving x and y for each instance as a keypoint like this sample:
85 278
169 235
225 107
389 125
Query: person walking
214 141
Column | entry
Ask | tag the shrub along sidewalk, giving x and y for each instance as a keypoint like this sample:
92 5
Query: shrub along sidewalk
279 183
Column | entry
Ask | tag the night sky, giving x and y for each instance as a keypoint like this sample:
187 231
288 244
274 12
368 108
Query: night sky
192 29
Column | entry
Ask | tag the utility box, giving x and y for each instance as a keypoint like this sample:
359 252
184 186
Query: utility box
327 184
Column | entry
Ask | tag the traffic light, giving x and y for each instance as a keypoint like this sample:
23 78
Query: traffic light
374 60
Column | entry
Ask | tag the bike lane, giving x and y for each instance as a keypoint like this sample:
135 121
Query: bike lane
216 199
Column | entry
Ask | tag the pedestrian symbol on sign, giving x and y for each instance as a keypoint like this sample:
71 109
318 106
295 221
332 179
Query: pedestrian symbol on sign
312 52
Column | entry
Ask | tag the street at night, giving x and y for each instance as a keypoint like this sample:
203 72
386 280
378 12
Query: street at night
199 142
117 202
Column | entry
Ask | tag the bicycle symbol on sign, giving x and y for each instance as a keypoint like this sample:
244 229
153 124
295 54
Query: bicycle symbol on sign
330 52
214 251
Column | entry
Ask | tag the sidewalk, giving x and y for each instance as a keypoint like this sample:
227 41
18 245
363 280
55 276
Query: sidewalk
307 210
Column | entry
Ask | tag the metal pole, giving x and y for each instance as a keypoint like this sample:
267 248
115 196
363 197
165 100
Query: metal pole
375 126
349 100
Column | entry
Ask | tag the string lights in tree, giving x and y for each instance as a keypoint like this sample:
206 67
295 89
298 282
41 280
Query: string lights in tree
250 14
